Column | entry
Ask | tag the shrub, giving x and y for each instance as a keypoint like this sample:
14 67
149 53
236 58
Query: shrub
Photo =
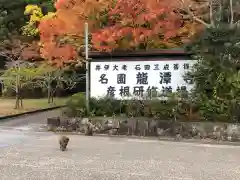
76 106
98 107
134 108
106 106
161 109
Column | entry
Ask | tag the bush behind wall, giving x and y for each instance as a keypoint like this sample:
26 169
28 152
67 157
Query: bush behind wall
173 108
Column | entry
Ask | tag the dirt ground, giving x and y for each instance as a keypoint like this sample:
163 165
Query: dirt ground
7 105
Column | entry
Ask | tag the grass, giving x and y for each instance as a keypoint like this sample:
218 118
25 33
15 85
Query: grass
7 105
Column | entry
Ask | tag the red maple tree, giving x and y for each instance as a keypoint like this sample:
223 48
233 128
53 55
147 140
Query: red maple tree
139 23
53 50
63 34
113 24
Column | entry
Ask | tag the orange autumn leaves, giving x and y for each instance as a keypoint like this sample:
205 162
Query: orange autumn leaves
52 49
113 24
137 22
62 35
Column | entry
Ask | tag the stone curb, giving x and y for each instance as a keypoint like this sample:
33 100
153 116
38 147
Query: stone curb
29 113
168 139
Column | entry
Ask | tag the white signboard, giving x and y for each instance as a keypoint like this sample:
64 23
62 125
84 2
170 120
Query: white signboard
128 79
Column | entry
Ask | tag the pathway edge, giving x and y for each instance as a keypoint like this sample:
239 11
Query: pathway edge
30 112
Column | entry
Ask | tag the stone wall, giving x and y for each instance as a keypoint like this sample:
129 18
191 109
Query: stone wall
152 127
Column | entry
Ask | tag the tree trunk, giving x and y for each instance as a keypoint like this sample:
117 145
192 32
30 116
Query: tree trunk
190 113
17 102
20 99
52 96
49 95
231 12
49 89
17 93
2 89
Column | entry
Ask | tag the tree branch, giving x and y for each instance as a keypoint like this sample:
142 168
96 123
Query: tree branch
211 12
188 10
236 24
231 12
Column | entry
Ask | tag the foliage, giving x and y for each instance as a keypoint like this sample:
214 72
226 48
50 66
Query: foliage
11 17
217 72
51 79
62 34
113 24
106 106
35 14
208 13
22 75
75 106
140 24
120 24
133 108
36 10
25 75
161 109
15 50
19 48
18 76
18 73
46 5
99 107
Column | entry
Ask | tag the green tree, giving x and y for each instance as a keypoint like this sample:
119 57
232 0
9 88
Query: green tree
18 76
51 79
11 17
18 71
217 73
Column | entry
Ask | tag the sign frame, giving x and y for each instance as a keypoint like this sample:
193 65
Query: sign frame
136 56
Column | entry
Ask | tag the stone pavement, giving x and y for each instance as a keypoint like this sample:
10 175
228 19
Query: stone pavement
28 155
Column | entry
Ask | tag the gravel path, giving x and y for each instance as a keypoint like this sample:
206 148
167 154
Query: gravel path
29 155
36 156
